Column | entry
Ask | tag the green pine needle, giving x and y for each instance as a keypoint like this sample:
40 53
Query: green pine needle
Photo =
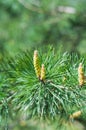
53 97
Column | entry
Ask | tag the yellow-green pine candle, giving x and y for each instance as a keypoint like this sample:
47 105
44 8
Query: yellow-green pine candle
80 75
36 63
76 114
42 72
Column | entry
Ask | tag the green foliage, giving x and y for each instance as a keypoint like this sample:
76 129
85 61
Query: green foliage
3 100
30 24
53 99
53 96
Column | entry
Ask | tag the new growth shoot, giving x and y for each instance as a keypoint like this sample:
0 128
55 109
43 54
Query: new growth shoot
40 71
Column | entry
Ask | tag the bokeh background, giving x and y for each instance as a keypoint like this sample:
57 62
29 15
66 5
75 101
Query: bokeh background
27 24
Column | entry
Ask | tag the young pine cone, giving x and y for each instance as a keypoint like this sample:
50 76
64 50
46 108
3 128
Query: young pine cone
36 63
80 75
76 114
42 73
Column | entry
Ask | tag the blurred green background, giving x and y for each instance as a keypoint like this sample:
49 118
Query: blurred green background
25 24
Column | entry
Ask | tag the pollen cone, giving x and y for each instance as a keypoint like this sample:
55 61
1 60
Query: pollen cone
42 72
80 75
36 63
76 114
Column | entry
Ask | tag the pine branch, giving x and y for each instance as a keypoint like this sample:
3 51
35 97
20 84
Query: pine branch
45 87
49 96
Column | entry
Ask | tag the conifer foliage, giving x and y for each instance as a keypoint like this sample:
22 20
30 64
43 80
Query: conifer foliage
46 84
